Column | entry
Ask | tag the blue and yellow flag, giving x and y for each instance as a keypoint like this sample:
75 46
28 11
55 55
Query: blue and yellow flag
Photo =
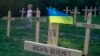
59 17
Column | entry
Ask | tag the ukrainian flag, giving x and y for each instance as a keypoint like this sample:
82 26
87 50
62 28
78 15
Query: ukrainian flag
59 17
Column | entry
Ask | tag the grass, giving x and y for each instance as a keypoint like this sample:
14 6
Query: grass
13 45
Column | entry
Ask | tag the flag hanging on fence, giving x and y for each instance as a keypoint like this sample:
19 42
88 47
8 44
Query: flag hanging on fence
56 16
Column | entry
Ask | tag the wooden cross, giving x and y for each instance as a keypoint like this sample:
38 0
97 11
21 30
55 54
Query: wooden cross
37 13
95 10
91 10
85 10
66 10
75 12
22 13
38 20
37 24
88 26
9 18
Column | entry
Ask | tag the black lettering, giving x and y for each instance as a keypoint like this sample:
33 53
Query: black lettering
46 50
35 47
52 51
58 52
40 49
61 53
64 53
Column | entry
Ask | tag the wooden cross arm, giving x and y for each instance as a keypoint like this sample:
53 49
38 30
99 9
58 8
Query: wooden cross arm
22 11
76 12
95 26
6 18
36 11
94 9
85 10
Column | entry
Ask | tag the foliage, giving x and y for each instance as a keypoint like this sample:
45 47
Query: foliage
16 5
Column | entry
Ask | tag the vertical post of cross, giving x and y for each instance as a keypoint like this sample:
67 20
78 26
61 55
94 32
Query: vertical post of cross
53 32
75 12
66 10
8 23
87 35
37 23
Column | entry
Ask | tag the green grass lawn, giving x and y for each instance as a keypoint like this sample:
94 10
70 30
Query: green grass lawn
73 37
